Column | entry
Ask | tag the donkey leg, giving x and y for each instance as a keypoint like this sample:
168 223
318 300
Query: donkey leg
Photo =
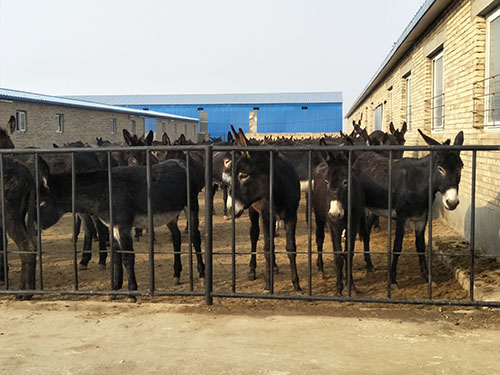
398 246
102 235
176 241
2 264
365 235
254 238
89 231
224 198
268 237
19 235
336 236
320 238
196 240
291 250
420 245
128 257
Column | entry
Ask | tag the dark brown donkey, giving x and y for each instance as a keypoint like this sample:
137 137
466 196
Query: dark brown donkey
20 212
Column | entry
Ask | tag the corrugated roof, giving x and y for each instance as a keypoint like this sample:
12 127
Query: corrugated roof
207 99
426 15
8 94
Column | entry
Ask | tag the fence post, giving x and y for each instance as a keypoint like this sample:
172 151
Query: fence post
208 225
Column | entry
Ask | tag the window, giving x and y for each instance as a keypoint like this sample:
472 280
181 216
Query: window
304 107
493 69
21 121
408 100
437 102
389 99
185 129
113 126
59 123
379 115
132 126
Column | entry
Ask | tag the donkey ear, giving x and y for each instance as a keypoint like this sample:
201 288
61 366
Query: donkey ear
325 154
230 138
235 133
404 128
12 124
165 139
459 139
149 138
429 140
54 145
447 142
391 128
128 138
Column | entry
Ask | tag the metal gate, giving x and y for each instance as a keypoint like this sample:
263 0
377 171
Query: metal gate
210 289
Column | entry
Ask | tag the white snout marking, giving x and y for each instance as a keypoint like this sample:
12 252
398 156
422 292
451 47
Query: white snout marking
43 204
238 206
45 183
226 177
450 199
336 210
304 185
229 202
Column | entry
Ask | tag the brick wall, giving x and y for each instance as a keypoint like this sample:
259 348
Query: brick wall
462 36
82 124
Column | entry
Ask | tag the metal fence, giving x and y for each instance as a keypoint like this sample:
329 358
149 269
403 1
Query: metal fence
209 292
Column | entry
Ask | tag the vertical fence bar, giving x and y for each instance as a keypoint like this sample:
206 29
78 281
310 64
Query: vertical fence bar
349 224
233 223
208 226
150 226
111 228
189 222
4 228
73 213
389 229
473 226
271 223
431 199
38 219
309 221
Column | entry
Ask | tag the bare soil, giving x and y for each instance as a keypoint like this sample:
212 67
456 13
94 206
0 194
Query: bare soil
240 336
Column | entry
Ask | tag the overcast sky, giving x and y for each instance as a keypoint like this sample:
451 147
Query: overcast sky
62 47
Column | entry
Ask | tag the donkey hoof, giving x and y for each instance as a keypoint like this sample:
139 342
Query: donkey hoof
394 286
111 298
276 270
24 297
131 299
434 285
102 266
177 280
227 217
251 275
82 267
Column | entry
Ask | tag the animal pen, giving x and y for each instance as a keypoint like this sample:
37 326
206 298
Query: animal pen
211 289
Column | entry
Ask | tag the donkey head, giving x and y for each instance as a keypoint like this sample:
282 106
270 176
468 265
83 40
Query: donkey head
252 175
359 133
447 166
336 179
138 157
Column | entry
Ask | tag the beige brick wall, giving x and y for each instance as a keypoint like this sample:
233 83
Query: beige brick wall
82 124
464 51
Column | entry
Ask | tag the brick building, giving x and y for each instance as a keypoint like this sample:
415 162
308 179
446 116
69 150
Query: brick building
443 76
43 120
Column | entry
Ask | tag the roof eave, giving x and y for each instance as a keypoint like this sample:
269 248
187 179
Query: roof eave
425 17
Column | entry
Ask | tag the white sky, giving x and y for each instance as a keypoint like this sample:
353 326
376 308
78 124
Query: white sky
64 47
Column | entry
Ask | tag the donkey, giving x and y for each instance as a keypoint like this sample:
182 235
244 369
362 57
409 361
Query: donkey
20 214
168 198
250 191
329 200
395 138
410 187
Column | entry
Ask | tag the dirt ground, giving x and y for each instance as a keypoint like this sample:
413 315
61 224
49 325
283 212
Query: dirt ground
178 335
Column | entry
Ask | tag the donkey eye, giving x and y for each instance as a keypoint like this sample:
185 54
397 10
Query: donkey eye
344 183
227 163
441 170
243 176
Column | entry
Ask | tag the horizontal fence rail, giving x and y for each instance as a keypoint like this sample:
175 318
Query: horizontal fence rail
211 287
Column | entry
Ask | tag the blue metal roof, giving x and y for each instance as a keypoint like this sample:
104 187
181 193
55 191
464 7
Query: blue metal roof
31 97
208 99
425 16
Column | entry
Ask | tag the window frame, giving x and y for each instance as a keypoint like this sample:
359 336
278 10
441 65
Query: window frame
133 127
381 106
59 123
25 115
434 59
408 113
490 124
113 125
